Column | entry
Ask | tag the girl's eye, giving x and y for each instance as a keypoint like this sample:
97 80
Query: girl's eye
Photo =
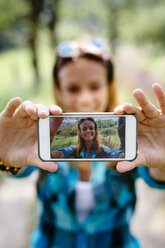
73 89
95 87
91 128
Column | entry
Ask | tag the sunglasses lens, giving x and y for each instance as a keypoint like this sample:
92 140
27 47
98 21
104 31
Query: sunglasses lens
67 49
97 44
94 47
74 48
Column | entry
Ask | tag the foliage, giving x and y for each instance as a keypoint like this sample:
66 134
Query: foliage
13 22
119 20
12 11
145 30
108 131
106 123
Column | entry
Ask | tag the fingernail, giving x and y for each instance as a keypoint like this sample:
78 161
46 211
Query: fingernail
42 111
55 108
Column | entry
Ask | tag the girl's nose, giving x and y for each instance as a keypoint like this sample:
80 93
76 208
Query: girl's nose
85 98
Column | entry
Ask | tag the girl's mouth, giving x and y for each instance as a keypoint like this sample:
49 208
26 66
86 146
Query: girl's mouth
89 135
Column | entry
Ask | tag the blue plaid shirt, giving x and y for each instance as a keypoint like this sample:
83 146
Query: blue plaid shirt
105 150
107 225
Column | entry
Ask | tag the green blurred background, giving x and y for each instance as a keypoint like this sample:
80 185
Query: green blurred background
134 30
30 31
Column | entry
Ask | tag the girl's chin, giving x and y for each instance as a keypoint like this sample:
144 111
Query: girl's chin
92 109
89 139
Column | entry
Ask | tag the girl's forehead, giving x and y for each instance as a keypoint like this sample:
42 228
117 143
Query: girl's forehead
82 69
87 123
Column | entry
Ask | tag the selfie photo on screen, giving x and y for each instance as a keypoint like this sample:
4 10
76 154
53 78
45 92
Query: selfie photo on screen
89 137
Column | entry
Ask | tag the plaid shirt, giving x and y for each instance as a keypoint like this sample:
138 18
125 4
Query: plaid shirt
106 152
107 225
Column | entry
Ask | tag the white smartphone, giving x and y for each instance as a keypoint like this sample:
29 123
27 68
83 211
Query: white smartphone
87 137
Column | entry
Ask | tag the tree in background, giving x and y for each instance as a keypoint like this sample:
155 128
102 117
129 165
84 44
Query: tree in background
119 21
47 9
115 9
20 22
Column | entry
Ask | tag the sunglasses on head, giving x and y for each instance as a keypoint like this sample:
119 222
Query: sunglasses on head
74 49
93 49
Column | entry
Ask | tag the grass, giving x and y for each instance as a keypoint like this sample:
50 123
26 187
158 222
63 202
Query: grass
113 140
62 142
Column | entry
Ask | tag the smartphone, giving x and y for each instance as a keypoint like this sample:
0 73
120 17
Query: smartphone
87 137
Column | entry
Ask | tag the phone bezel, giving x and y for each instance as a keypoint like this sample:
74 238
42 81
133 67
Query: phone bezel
43 133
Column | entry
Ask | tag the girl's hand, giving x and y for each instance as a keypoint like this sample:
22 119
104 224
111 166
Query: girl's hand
18 133
57 154
151 133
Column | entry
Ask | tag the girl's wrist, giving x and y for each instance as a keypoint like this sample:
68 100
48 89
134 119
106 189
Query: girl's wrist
9 169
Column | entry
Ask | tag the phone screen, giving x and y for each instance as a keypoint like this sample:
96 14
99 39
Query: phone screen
87 137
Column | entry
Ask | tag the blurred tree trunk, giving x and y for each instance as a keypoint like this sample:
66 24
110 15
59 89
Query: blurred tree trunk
51 9
113 27
115 7
53 6
36 8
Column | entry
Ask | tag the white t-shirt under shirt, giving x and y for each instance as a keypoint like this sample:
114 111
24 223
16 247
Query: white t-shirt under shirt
85 201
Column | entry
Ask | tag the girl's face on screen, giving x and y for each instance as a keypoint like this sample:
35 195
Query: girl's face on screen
83 86
87 130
